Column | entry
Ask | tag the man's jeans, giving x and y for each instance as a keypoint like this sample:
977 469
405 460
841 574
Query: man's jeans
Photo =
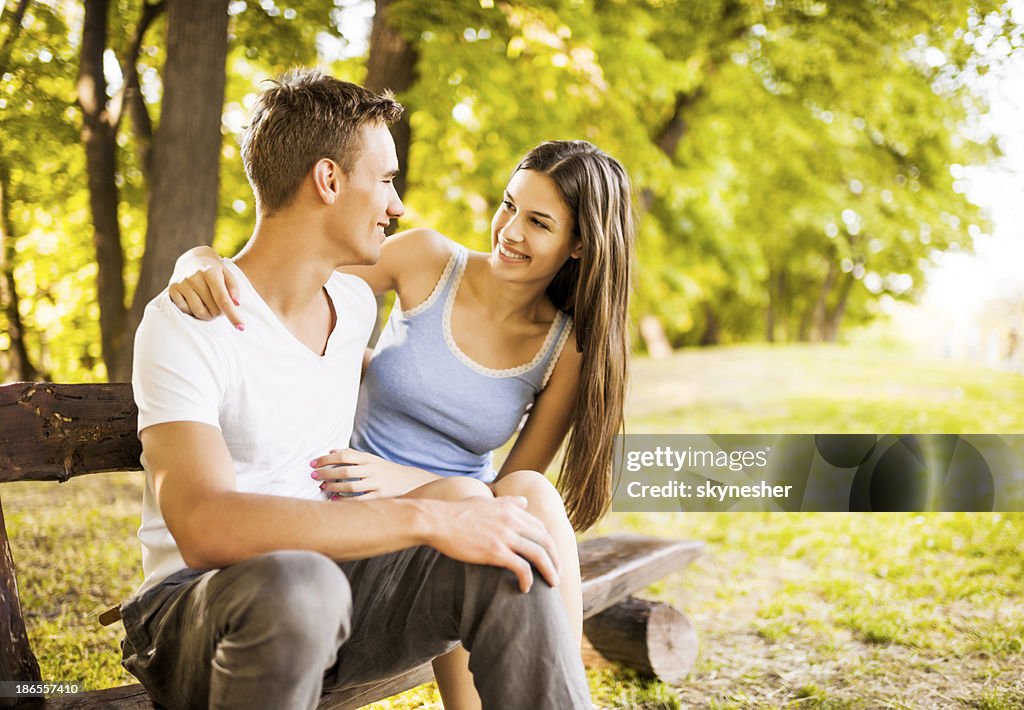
276 630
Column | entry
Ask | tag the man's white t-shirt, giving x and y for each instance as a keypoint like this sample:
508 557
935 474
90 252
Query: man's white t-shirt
277 403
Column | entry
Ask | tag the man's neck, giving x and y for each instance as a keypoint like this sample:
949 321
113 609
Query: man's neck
283 263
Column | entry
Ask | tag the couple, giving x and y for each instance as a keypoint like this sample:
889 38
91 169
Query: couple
259 592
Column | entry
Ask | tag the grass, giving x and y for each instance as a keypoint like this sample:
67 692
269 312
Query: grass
838 610
763 389
807 610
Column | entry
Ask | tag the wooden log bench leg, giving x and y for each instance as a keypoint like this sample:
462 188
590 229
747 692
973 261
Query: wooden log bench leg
17 662
652 638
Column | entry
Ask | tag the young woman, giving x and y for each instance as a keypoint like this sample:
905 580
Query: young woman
475 342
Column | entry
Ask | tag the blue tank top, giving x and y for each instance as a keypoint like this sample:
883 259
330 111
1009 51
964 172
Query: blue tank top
425 403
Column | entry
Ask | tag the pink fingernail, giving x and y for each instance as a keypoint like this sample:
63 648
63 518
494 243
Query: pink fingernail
313 475
241 327
322 485
314 463
236 301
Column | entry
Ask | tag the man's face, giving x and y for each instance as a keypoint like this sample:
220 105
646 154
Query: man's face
368 201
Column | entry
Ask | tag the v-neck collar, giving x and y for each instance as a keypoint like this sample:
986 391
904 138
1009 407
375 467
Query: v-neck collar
278 325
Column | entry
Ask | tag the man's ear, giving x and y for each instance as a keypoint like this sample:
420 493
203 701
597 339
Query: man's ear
327 179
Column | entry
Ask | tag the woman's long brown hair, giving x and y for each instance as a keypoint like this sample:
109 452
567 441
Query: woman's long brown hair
594 289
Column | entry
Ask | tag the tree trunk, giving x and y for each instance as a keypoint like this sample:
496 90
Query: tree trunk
669 137
18 366
778 294
5 51
142 124
712 327
773 306
186 155
98 136
392 65
653 335
803 329
821 307
835 317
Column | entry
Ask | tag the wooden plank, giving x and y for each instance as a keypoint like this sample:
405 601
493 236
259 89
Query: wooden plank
52 432
357 697
16 659
126 697
616 566
135 697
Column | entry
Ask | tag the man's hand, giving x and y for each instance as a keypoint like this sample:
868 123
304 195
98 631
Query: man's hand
350 472
498 532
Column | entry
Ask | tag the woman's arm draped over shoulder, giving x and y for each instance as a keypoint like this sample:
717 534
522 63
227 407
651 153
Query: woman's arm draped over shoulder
405 259
409 262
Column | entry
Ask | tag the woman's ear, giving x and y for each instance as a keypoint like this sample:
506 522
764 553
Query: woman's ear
327 180
577 250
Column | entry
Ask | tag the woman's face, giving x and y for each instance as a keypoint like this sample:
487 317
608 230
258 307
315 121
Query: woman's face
532 231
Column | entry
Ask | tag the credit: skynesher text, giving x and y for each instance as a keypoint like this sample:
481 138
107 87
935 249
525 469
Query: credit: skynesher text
718 491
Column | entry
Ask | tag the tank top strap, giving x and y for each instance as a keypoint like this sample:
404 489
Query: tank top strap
451 274
564 325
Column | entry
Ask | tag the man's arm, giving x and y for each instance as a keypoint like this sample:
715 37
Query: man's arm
216 525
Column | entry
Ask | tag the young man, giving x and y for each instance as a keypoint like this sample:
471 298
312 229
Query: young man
258 591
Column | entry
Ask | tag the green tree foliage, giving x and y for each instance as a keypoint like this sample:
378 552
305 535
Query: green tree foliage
46 220
794 162
792 159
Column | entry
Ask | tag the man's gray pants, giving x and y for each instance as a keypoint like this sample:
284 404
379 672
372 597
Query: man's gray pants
277 630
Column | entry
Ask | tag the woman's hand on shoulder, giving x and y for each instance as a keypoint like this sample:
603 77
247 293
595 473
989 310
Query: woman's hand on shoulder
203 288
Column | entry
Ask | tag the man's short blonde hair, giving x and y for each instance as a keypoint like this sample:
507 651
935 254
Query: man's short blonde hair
306 116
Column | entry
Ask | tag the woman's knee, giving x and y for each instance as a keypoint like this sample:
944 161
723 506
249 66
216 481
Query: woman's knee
453 488
541 495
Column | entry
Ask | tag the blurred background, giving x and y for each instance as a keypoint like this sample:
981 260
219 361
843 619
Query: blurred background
831 206
805 172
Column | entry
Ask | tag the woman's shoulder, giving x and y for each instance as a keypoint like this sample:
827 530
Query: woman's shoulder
418 258
420 247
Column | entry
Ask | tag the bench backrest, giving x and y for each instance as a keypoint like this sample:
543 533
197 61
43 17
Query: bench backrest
53 432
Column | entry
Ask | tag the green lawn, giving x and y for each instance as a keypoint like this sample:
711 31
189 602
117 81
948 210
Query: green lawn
794 610
761 389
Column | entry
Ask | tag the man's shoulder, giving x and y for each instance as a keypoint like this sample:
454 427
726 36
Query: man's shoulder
352 293
181 368
164 327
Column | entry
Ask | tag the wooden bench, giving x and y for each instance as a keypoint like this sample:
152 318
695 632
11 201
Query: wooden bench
54 432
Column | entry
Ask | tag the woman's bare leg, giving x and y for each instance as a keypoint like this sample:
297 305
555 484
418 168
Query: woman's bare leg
451 488
544 502
455 681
